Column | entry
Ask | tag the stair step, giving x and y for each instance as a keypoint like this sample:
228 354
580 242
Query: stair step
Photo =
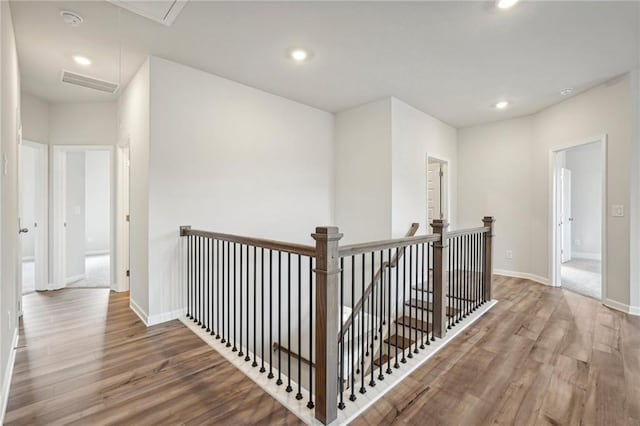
414 323
383 360
428 306
452 296
399 341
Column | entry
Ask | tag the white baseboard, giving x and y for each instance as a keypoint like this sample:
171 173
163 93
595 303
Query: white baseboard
150 320
8 373
138 311
524 275
165 316
585 255
28 258
623 307
74 278
96 253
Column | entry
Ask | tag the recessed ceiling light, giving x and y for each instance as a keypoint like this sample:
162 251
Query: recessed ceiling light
82 60
298 54
506 4
501 104
567 91
71 18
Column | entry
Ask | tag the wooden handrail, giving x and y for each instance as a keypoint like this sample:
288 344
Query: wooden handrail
300 249
354 249
369 247
459 232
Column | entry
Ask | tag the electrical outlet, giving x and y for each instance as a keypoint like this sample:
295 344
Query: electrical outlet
509 254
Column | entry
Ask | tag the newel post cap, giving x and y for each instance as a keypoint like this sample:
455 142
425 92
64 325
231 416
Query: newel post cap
184 229
329 233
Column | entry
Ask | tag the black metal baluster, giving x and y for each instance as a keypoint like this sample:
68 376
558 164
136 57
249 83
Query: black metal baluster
240 299
310 404
404 302
235 285
422 324
388 371
341 342
457 282
290 347
225 289
279 381
218 290
362 336
255 303
397 266
352 397
431 291
209 309
270 375
189 276
199 305
299 394
372 314
262 369
381 313
411 304
449 286
247 358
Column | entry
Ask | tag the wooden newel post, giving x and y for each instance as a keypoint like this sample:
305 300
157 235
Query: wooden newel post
439 292
327 322
184 230
488 257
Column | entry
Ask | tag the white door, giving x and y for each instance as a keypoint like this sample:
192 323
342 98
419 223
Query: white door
565 218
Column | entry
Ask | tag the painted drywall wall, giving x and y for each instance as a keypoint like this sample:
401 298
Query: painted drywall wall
524 201
227 157
97 202
363 172
416 135
28 199
133 130
494 180
83 123
585 163
634 201
9 123
35 118
75 183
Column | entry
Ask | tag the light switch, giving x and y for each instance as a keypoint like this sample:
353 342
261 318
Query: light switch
617 210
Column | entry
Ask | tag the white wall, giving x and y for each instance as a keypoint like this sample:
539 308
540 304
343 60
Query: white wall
133 130
83 123
363 172
35 118
381 169
97 202
519 152
417 135
494 180
585 163
9 117
75 215
230 158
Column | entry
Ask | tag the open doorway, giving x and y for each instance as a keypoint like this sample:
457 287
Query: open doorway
83 216
437 189
33 216
578 208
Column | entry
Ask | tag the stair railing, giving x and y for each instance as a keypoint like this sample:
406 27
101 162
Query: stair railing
252 295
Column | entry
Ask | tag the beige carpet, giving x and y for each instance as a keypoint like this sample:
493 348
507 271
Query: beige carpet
582 276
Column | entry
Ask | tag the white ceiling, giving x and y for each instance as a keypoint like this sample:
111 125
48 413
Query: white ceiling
449 59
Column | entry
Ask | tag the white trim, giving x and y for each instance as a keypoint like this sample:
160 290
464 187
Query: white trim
8 373
75 278
364 401
623 307
90 253
585 255
165 316
554 258
524 275
138 311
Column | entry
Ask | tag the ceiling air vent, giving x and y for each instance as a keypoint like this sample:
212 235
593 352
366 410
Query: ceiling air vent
88 82
161 11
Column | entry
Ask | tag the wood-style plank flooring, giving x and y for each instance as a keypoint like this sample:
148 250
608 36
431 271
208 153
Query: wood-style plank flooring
85 358
541 356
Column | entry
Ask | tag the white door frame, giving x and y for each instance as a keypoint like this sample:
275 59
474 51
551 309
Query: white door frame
58 181
554 261
122 222
41 242
447 188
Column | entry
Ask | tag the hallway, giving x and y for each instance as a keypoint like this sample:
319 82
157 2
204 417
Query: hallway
541 355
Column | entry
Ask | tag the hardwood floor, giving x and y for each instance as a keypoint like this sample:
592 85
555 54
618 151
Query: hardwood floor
85 358
540 356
